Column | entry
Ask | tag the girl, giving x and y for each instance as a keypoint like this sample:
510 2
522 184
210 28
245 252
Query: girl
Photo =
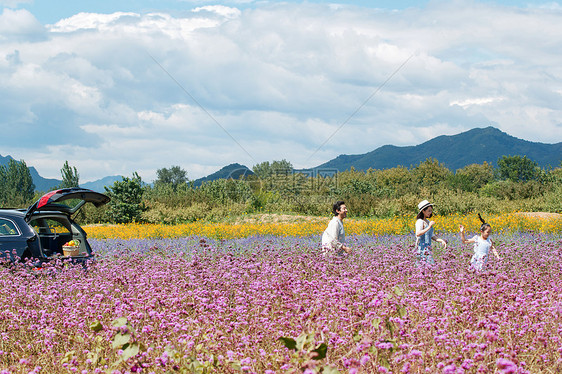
424 233
482 245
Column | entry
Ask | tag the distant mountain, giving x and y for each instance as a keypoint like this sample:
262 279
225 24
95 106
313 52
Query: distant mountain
41 184
471 147
99 184
233 171
49 184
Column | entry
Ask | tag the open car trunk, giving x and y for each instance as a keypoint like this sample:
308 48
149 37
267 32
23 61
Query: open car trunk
54 231
50 216
66 200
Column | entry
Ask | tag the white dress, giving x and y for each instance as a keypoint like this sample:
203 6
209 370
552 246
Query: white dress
481 249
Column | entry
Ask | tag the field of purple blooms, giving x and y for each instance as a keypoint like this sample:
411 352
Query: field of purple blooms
274 305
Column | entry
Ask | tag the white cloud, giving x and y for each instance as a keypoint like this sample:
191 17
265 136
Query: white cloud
221 10
475 101
99 22
132 91
16 24
13 3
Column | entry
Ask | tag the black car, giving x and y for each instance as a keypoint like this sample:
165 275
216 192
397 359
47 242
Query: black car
41 231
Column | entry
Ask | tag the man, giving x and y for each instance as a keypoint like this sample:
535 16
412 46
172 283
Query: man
333 238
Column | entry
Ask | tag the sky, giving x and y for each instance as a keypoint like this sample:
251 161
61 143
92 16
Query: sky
117 87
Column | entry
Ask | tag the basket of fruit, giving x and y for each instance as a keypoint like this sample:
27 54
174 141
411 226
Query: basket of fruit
71 248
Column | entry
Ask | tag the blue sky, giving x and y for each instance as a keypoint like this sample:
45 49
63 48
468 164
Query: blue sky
51 11
119 87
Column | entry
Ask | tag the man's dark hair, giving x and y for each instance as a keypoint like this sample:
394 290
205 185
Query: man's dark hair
337 205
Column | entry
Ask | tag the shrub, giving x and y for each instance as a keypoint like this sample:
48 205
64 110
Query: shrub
126 203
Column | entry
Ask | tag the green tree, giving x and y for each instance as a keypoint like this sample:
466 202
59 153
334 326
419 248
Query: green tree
282 167
16 185
393 182
473 177
70 176
518 169
265 169
126 200
430 173
262 170
224 191
173 177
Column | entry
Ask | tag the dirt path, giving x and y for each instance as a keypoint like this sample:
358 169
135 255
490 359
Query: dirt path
542 215
279 218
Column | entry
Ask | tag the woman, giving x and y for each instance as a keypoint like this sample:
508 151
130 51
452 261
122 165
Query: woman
424 234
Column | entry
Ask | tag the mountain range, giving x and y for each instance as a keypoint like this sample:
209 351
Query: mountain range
454 151
48 184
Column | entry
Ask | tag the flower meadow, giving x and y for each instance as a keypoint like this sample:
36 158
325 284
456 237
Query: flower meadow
273 304
512 222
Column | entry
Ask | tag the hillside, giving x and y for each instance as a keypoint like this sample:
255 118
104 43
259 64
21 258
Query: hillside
41 184
456 151
234 171
49 184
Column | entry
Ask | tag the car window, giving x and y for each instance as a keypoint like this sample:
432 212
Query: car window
7 228
50 226
69 203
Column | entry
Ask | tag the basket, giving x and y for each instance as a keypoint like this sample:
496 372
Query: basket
69 250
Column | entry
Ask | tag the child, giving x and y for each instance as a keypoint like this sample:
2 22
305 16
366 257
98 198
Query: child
482 245
424 233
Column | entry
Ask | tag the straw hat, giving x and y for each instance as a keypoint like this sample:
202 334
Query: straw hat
424 204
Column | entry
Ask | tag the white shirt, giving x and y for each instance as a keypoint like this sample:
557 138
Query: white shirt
334 236
420 225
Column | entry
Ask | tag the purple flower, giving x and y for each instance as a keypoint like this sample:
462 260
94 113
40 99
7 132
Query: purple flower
506 366
364 360
449 369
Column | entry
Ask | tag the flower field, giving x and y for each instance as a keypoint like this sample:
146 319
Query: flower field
272 304
390 226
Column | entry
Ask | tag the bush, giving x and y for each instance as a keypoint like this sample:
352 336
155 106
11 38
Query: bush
513 190
553 200
126 203
161 213
89 214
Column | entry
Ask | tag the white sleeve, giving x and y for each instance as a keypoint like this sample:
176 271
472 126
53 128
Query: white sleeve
419 225
331 235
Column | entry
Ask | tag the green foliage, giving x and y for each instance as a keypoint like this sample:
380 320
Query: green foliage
261 199
227 190
355 182
265 169
70 176
375 193
126 203
91 214
509 190
307 353
472 177
430 173
518 169
393 182
16 185
553 199
172 177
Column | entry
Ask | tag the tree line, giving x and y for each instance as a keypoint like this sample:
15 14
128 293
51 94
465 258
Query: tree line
516 183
